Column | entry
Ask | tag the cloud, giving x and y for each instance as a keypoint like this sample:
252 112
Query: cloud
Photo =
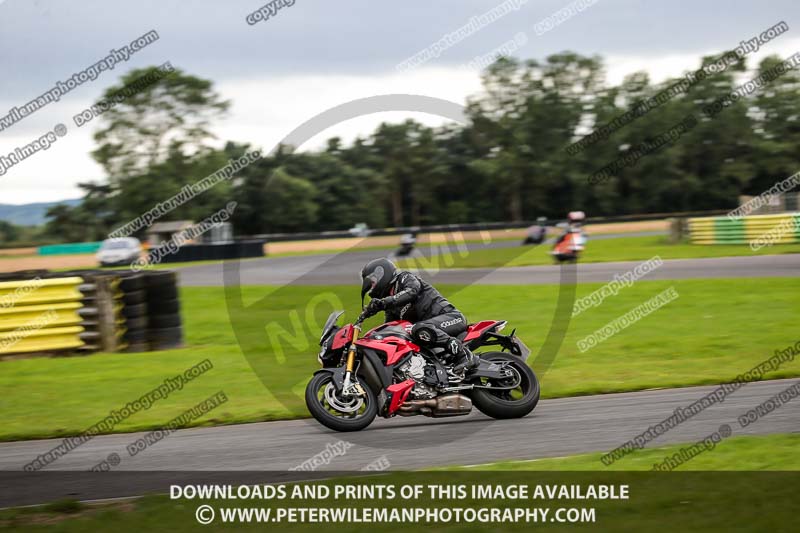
317 54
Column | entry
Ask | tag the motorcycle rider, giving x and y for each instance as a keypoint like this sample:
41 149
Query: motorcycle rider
566 251
537 233
404 296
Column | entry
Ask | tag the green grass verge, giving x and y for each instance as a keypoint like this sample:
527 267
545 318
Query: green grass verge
744 453
604 250
685 501
714 331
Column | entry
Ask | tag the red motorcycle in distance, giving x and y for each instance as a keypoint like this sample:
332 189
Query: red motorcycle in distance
385 374
571 244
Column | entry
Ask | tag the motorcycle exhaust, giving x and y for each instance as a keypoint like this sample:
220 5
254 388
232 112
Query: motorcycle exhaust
442 406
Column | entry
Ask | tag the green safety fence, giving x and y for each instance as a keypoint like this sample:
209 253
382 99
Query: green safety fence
70 248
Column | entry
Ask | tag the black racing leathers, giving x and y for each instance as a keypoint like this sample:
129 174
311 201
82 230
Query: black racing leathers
412 298
436 321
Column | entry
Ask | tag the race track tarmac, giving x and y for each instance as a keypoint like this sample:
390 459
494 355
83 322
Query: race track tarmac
343 269
557 427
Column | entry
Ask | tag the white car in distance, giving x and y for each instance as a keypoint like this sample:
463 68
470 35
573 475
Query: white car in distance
119 251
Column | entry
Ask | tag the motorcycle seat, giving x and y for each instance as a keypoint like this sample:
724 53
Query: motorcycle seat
392 331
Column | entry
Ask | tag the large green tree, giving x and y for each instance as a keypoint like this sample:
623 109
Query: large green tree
160 118
509 162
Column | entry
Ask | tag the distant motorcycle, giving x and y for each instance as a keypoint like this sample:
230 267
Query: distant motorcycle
407 243
569 246
536 234
385 374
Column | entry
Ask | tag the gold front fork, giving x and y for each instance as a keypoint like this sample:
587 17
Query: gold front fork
351 359
351 352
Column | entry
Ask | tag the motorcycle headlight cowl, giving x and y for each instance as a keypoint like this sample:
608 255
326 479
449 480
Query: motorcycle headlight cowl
328 357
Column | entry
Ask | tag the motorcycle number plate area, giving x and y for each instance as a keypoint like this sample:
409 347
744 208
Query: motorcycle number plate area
524 351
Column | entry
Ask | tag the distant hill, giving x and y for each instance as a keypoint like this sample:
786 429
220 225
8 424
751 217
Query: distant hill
30 214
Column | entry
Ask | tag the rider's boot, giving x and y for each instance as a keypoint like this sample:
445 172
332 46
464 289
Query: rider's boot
467 362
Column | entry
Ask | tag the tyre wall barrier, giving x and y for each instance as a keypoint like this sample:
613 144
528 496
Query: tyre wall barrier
102 316
164 324
778 229
134 311
89 311
40 315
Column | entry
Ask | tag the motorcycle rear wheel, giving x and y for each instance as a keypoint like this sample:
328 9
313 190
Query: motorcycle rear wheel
508 404
344 414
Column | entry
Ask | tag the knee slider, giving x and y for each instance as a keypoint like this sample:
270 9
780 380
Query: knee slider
422 333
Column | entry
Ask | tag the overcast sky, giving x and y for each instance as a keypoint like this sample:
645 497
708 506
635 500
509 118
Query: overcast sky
317 54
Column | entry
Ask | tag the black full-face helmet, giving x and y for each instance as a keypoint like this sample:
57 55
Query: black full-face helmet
377 277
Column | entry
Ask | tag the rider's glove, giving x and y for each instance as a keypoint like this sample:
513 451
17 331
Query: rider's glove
376 305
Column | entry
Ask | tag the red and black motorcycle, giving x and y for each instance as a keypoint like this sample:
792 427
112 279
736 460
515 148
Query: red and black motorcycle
572 243
384 373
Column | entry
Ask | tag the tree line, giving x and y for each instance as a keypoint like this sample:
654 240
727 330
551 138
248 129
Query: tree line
511 161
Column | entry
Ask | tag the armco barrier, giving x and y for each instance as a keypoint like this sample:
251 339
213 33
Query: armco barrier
92 247
40 315
478 226
208 252
742 230
58 315
89 311
40 291
41 340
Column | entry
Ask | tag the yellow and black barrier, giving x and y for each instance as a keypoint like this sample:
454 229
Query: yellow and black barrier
40 315
778 229
89 311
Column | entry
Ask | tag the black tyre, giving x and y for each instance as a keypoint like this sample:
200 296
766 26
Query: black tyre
165 338
514 403
84 312
156 278
161 346
165 321
165 307
87 288
160 293
139 322
133 311
137 347
135 336
167 334
132 283
89 336
134 297
343 414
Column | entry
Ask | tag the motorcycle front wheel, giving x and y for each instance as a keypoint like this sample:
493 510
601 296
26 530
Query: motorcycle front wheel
515 402
337 412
